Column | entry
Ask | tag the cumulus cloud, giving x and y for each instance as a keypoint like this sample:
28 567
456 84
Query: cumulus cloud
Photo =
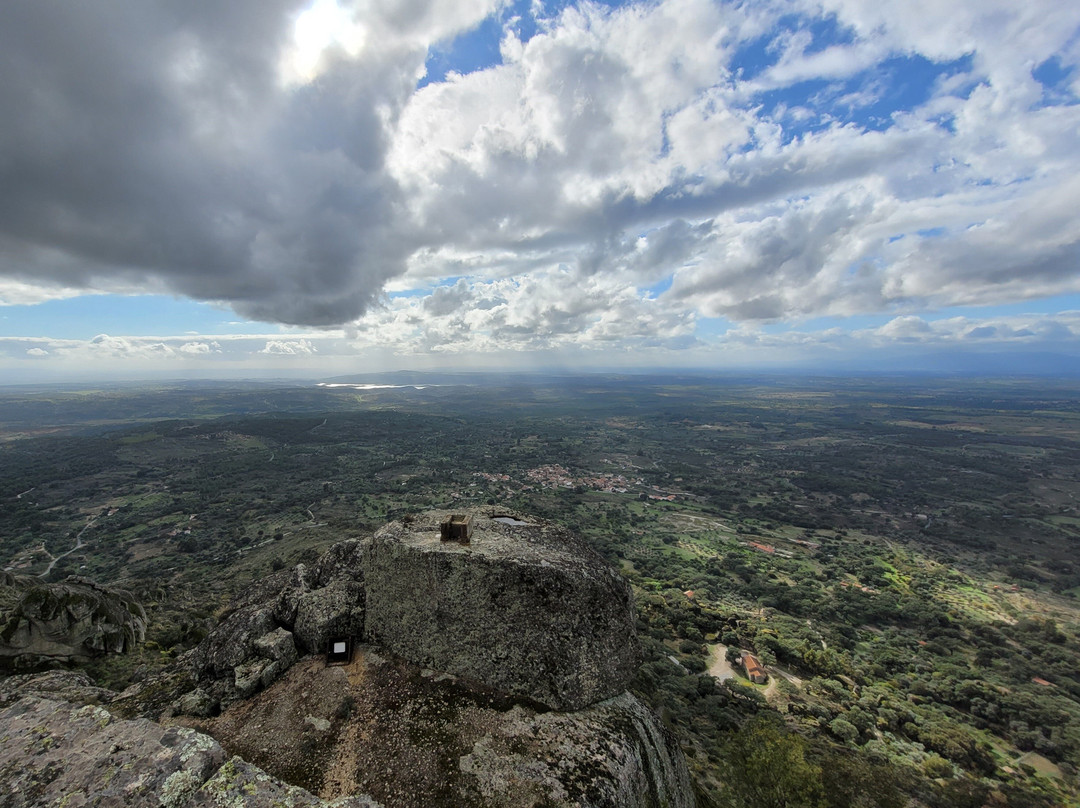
512 322
544 310
106 349
200 348
619 176
283 347
1061 330
160 144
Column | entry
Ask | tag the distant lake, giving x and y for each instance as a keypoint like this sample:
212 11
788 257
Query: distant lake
375 386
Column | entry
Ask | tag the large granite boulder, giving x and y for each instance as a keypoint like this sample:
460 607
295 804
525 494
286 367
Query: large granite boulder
49 624
524 607
614 753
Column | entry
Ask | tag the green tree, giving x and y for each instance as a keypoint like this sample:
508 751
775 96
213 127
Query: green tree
764 765
844 730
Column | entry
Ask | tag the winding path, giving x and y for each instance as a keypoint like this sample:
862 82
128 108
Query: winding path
78 544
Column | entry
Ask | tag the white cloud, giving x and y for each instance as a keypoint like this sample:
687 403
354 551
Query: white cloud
20 293
511 324
200 348
615 153
281 347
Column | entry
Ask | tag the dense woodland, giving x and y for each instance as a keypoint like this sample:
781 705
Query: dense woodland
898 552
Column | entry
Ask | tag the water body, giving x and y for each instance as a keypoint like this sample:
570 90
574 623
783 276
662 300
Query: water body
376 386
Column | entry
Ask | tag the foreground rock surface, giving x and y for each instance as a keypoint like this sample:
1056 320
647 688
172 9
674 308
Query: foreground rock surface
412 737
58 753
525 608
58 685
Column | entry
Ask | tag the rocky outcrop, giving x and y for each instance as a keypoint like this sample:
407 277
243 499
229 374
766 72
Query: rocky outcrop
525 608
48 624
615 752
274 622
412 738
58 753
335 610
489 673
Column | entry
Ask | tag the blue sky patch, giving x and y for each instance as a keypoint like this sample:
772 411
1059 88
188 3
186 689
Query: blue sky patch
137 316
659 287
474 50
757 55
870 99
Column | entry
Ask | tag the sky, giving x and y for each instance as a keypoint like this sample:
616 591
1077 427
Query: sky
271 187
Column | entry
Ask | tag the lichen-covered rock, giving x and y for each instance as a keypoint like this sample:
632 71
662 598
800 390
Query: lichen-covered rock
276 645
526 608
232 642
335 610
197 703
275 652
296 584
55 753
76 619
58 753
238 784
268 625
615 752
74 686
343 561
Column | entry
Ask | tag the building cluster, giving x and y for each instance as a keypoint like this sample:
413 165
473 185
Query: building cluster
768 548
492 478
860 587
556 476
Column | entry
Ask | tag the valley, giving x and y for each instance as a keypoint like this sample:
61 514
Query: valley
900 552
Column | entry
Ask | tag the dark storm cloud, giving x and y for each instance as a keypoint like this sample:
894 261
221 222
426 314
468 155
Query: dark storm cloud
163 146
153 144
